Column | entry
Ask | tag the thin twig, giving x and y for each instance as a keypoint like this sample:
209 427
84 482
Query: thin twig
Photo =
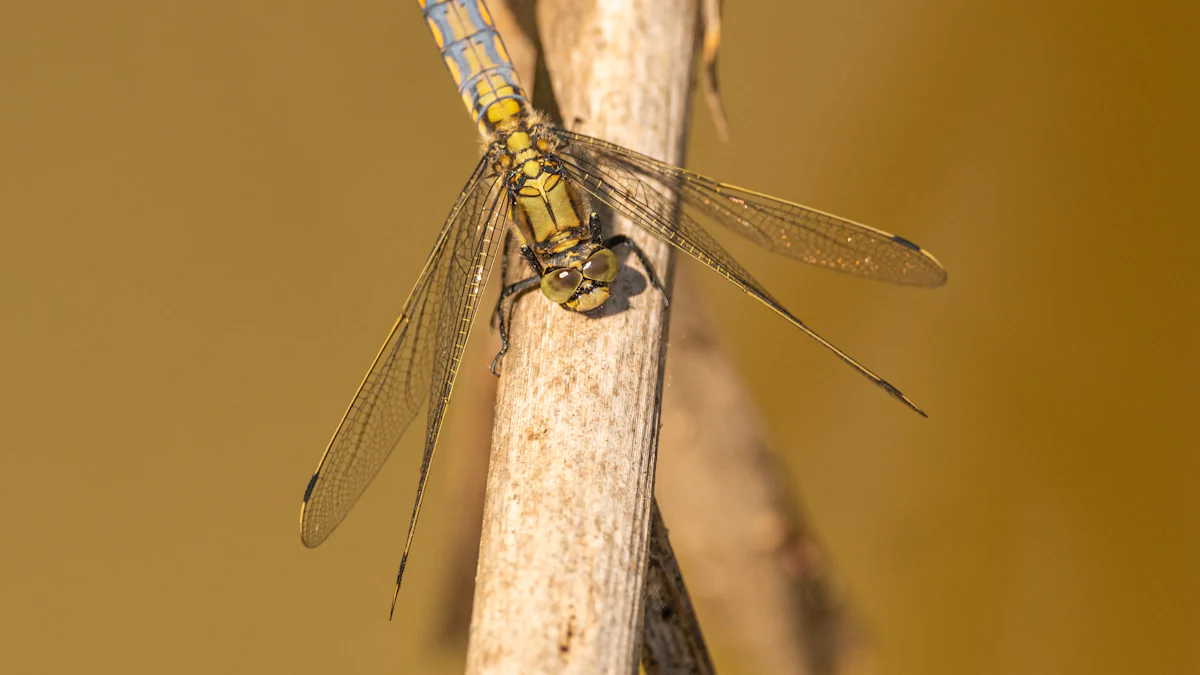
752 560
674 643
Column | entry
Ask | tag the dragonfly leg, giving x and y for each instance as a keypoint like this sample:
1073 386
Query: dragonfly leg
503 271
518 289
527 254
622 240
594 230
531 258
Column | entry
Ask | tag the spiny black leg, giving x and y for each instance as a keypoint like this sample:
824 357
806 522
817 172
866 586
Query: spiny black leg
532 259
622 240
503 272
518 289
527 254
594 227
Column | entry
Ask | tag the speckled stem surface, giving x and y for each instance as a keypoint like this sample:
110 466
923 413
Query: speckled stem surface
570 482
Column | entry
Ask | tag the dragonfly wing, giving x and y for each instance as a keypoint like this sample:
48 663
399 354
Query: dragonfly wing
415 366
783 227
652 200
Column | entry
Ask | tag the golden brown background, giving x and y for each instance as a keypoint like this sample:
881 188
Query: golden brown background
211 212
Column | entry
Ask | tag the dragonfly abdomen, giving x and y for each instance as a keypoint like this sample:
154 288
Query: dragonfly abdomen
478 62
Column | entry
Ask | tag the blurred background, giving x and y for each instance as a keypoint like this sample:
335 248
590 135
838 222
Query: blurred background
211 213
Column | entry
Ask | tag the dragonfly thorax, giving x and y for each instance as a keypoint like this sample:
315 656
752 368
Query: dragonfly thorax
552 219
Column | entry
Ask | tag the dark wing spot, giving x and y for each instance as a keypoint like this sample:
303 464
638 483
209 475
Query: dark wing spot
904 242
312 482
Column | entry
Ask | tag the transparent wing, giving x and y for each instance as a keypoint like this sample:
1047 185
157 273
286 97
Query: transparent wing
796 231
416 365
650 198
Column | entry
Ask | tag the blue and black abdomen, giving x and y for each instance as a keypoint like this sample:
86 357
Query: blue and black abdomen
478 62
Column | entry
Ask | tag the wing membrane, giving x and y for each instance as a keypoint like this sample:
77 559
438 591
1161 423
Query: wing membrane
650 198
783 227
416 365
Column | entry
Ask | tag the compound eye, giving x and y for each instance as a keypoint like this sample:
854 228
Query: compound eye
602 266
559 285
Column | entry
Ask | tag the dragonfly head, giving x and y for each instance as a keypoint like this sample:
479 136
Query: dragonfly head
582 285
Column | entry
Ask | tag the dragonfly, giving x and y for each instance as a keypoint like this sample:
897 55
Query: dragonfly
538 182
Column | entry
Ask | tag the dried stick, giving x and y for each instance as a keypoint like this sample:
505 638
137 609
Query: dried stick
673 643
753 562
566 516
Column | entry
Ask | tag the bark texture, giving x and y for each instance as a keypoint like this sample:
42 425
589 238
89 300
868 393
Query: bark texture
564 544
